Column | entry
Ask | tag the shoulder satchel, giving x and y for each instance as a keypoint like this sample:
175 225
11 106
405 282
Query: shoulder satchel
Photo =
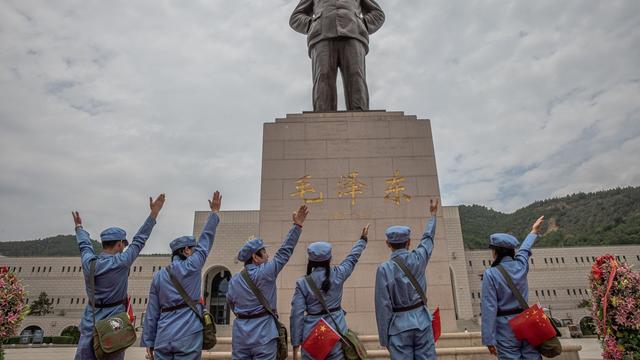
549 348
352 347
114 334
209 339
283 337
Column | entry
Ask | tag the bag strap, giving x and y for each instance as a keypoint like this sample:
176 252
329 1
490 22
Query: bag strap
411 277
183 293
92 285
259 295
318 295
512 286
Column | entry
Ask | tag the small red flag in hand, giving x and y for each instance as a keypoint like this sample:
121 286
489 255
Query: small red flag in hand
321 340
132 317
436 326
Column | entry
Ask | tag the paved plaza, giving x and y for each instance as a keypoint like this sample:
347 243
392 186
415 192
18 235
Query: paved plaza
590 351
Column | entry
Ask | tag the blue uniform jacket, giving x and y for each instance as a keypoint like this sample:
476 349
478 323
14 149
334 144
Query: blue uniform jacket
112 274
496 294
241 299
394 289
162 327
304 299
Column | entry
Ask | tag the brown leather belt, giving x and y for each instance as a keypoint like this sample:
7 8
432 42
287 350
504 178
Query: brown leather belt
323 312
174 308
407 308
110 305
253 316
509 312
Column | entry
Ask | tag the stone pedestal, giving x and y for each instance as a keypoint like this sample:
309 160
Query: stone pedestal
328 147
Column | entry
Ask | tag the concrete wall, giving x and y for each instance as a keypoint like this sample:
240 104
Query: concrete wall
558 277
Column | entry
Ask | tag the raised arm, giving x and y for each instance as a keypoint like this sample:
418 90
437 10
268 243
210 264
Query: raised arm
300 19
296 321
132 252
208 234
524 252
384 310
344 270
373 15
83 239
151 317
425 248
489 309
285 251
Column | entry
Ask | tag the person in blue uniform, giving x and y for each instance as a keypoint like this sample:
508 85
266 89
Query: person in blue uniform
404 322
499 305
329 281
111 273
171 329
255 332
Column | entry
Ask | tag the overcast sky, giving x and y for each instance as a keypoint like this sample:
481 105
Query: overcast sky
103 103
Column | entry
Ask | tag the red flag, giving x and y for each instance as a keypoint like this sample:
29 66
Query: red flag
532 325
321 340
132 317
436 326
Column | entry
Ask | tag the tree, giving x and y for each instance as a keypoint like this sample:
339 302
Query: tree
42 306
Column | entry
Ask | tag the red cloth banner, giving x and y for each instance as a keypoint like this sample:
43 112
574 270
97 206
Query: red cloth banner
321 340
132 316
436 325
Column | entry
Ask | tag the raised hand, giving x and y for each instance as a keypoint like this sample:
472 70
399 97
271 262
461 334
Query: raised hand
537 225
156 205
492 350
365 231
215 202
301 215
76 218
433 207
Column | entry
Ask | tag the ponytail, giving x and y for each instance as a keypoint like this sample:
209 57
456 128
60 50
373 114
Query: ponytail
501 254
326 284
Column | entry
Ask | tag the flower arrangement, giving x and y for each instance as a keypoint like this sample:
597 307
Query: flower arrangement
12 307
615 291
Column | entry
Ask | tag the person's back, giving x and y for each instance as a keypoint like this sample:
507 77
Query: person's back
305 300
171 329
111 274
254 330
499 304
404 322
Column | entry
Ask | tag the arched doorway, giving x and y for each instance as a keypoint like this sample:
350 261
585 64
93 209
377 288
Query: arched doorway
216 284
587 326
72 331
30 330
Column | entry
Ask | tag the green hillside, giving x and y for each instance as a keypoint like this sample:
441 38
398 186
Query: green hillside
60 245
609 217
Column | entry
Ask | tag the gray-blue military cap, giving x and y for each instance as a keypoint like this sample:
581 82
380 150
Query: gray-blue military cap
319 251
398 234
113 234
182 242
249 248
503 240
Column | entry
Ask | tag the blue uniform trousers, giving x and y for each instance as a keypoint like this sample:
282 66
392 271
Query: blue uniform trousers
255 352
509 348
186 348
413 344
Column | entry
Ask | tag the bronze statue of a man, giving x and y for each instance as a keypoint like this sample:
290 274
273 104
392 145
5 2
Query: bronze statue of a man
338 37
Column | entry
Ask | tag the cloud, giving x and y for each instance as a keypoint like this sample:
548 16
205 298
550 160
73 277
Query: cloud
105 103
